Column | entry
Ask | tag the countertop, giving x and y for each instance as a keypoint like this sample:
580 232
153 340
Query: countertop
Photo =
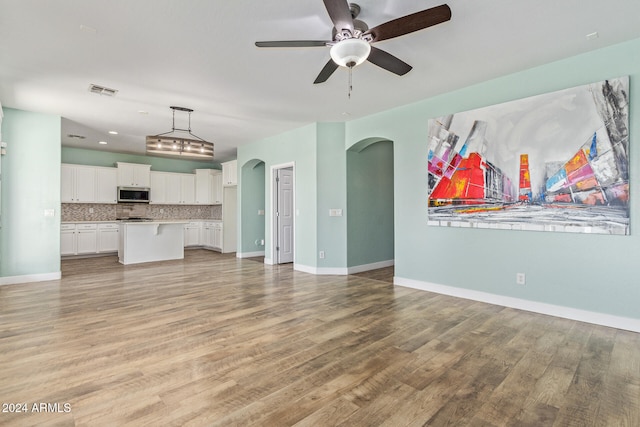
117 221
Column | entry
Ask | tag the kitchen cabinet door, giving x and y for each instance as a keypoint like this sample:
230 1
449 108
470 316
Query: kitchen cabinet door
207 234
108 237
68 239
85 184
192 234
134 175
67 184
230 173
77 184
106 185
188 189
87 239
217 236
158 188
204 179
172 188
216 189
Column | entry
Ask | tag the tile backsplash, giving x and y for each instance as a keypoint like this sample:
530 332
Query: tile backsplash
103 212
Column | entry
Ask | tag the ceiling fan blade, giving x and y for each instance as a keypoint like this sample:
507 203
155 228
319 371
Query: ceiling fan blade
340 14
293 43
389 62
326 72
410 23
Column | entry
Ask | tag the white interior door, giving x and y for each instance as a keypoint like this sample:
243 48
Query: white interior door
284 215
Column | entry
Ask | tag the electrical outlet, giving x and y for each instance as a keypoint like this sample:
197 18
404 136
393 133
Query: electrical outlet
521 278
321 254
90 210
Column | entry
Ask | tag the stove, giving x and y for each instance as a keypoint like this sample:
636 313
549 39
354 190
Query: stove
135 219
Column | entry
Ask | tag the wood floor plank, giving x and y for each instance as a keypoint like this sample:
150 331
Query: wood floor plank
217 340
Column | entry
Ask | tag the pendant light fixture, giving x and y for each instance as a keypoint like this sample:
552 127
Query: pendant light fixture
171 144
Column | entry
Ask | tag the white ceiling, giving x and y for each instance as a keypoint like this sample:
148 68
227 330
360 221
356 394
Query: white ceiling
200 54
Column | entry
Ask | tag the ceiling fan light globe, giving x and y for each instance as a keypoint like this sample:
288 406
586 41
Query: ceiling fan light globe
350 52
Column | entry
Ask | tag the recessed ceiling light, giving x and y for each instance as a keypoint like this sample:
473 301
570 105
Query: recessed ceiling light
102 142
113 132
142 112
592 36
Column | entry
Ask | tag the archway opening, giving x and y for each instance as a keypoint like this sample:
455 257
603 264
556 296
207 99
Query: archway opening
370 205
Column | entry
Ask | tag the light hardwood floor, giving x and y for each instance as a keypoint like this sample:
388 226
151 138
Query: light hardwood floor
217 341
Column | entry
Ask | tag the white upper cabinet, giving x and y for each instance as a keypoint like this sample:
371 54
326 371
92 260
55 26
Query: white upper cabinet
106 185
216 187
88 184
208 187
170 188
157 188
230 173
188 188
134 175
173 188
77 184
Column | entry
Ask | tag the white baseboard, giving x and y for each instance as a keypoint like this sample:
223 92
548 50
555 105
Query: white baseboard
249 254
342 271
268 261
372 266
602 319
321 271
28 278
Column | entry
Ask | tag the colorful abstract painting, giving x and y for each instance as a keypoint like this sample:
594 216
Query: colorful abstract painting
552 162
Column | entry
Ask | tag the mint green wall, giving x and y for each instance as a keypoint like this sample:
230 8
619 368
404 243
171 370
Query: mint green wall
253 193
29 241
332 169
370 204
597 273
297 146
80 156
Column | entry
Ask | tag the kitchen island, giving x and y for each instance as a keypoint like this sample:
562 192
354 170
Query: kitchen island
149 241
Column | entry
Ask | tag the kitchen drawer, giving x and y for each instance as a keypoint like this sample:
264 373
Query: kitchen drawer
67 226
86 226
108 226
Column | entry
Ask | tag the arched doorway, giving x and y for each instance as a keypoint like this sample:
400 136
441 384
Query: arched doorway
252 214
370 205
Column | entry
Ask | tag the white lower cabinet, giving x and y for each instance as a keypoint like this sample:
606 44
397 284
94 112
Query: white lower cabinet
68 239
212 234
88 238
108 237
192 234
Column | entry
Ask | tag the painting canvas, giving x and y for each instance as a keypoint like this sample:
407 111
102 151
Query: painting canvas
552 162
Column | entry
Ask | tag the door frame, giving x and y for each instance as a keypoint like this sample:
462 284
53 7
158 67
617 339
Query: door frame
273 226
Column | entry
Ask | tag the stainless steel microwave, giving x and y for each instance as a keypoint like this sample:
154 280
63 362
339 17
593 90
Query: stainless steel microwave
133 195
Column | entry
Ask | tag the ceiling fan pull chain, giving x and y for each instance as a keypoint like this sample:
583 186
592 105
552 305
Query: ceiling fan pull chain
350 81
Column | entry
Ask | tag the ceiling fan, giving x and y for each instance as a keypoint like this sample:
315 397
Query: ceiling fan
352 38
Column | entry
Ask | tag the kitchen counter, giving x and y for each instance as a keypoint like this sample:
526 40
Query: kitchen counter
147 241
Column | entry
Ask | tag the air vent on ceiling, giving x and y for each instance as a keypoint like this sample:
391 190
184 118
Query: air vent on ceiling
101 90
72 136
